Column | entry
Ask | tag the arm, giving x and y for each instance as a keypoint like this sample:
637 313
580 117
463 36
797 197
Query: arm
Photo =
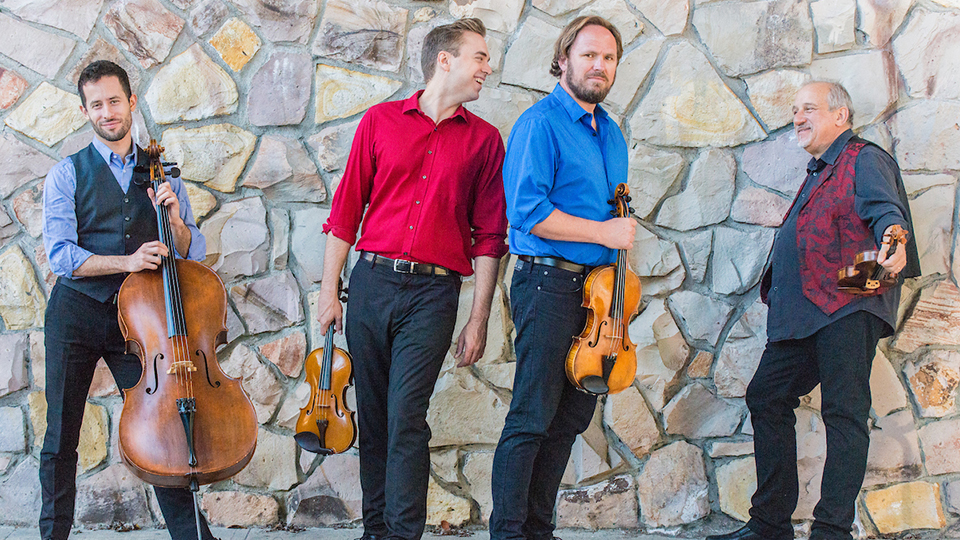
616 233
187 238
473 338
878 202
329 309
148 257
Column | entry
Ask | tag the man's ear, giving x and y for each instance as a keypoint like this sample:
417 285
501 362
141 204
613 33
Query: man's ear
843 116
443 60
133 102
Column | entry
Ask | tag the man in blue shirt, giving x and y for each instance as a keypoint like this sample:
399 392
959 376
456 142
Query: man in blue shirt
97 228
565 157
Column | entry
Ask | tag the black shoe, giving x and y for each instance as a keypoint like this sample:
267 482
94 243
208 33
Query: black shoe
743 533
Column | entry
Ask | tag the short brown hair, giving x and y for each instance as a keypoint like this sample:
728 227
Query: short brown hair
447 37
98 70
561 48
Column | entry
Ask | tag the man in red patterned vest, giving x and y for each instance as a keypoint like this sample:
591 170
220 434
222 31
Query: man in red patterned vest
852 196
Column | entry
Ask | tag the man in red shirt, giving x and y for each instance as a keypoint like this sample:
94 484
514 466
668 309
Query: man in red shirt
424 178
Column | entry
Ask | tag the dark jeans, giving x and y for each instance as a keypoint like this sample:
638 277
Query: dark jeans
80 330
546 411
838 357
399 328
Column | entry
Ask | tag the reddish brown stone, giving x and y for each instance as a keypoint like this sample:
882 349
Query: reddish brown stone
935 319
12 86
700 365
288 353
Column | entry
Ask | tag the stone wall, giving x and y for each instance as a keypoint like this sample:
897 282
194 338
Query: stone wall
258 101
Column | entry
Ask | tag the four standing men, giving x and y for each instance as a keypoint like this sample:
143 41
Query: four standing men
424 177
565 158
851 197
97 228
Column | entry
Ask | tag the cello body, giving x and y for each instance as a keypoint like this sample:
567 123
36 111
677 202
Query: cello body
185 423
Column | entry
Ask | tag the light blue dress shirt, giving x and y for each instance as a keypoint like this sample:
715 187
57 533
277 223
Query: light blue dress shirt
556 160
60 211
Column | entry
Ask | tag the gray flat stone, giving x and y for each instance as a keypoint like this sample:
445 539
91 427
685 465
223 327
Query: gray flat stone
365 32
40 51
280 90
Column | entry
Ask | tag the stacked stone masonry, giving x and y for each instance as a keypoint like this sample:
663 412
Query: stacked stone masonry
258 101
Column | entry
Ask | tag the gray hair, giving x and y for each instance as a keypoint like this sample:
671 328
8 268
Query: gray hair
837 96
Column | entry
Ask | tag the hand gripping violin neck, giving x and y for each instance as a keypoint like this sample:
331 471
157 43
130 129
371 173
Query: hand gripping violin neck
185 423
602 359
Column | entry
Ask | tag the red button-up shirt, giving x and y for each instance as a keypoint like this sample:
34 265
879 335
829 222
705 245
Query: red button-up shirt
433 193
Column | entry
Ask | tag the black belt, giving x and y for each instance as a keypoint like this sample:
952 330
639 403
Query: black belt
555 262
401 266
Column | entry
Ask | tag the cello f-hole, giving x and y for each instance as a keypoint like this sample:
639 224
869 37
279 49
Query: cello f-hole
156 375
206 369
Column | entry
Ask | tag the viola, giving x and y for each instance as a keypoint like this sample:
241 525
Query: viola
185 423
602 359
866 277
326 426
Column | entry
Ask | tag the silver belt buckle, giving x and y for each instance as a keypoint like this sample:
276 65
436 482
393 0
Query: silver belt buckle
404 267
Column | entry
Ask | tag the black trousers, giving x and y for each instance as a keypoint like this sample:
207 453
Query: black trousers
546 411
399 328
79 331
838 357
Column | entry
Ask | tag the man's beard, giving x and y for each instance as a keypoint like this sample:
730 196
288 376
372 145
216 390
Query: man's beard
118 135
587 95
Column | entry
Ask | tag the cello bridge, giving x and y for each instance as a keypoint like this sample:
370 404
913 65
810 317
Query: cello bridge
181 366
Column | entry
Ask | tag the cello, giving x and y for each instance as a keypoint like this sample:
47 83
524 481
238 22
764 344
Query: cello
602 359
185 423
326 426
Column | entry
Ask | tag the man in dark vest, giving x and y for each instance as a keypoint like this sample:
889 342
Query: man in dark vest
852 197
98 226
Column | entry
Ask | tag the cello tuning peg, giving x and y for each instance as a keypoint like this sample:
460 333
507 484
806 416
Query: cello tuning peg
175 172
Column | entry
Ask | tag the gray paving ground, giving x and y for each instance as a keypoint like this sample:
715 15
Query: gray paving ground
29 533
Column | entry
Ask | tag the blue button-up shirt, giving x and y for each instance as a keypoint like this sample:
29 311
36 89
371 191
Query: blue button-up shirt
60 211
556 160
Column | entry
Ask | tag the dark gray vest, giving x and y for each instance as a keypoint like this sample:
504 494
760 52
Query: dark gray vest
109 221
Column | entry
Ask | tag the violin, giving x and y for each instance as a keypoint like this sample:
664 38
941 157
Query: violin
185 423
602 359
866 277
326 426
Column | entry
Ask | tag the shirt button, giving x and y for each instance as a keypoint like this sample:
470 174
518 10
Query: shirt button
126 218
429 151
418 202
411 227
424 177
126 199
126 236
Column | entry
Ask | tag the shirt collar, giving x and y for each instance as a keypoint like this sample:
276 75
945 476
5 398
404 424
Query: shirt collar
412 103
832 153
105 152
574 109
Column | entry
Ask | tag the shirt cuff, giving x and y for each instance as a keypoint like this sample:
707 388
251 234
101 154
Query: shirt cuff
342 233
494 247
539 213
885 222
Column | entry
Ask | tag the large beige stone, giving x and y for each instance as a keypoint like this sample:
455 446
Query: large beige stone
934 320
92 448
669 17
239 509
498 15
926 135
708 195
331 495
20 164
628 415
651 173
342 92
259 382
879 20
894 454
365 32
332 145
525 64
885 386
696 413
738 361
288 21
779 164
606 505
74 16
145 28
811 454
869 77
736 483
236 43
22 302
941 442
443 506
739 258
191 87
772 92
651 255
214 155
40 51
927 53
285 172
617 12
657 381
917 183
48 115
915 505
280 90
500 107
13 362
269 303
496 350
702 316
274 464
730 449
690 105
477 470
748 37
632 70
237 239
759 207
463 410
202 202
834 21
672 488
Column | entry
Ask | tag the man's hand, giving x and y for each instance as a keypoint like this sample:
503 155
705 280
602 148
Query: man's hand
148 257
168 198
329 311
617 233
897 261
472 342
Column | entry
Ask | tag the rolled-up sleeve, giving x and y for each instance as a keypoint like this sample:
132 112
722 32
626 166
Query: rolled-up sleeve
353 193
877 199
488 215
60 220
198 244
528 174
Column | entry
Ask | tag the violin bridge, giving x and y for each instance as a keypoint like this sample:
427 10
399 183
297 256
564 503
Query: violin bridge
181 367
